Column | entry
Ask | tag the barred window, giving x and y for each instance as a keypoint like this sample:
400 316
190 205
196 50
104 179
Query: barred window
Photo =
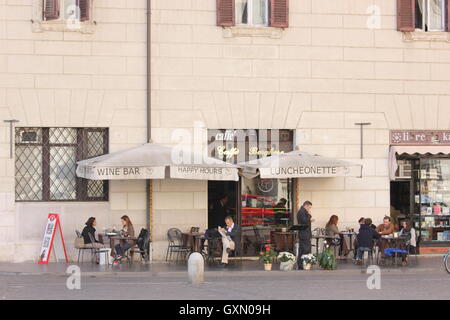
46 163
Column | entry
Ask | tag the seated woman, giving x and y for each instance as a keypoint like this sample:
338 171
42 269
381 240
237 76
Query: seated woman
411 241
332 230
127 231
88 233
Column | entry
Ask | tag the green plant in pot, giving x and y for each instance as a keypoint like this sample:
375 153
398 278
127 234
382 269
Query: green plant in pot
326 259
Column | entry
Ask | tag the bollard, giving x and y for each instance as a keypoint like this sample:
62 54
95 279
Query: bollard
196 268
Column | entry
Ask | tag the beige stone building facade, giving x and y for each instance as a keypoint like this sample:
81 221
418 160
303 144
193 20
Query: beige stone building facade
338 63
89 77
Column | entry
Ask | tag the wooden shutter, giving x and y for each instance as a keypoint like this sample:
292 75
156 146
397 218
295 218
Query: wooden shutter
85 9
406 15
279 13
51 9
225 13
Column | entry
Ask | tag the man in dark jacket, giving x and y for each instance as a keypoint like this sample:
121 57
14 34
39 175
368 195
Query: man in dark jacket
304 220
231 239
366 239
219 212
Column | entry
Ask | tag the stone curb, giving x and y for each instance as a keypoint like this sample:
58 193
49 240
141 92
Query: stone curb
234 273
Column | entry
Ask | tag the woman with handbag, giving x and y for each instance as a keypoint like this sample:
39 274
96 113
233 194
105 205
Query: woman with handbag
88 235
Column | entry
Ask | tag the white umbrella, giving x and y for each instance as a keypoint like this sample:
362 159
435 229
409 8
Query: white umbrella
297 164
149 161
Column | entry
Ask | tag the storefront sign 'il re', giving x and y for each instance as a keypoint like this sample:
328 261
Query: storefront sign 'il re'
414 137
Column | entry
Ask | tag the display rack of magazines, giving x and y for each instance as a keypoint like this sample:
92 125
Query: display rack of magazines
432 199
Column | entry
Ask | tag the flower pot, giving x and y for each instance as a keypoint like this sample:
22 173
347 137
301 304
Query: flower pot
307 266
268 266
286 266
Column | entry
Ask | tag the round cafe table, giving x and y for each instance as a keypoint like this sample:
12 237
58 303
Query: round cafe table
394 242
285 241
192 240
317 238
113 239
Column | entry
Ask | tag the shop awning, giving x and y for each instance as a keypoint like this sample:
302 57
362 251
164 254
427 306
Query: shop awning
297 164
399 150
149 161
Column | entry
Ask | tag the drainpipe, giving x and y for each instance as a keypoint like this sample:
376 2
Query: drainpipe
149 191
149 81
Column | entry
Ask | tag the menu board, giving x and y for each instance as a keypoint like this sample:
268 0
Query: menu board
53 240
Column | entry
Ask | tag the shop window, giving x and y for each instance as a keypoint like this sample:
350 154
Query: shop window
423 15
266 202
46 164
256 13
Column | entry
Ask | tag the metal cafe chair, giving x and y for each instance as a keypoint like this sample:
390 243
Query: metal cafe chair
260 240
142 246
81 248
97 251
370 257
333 242
175 245
212 249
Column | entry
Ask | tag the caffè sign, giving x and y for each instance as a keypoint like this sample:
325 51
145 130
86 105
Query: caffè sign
418 137
240 145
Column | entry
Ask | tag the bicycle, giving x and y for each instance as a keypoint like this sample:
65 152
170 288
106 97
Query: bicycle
447 261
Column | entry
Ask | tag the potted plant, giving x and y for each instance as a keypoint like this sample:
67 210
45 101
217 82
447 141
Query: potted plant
287 261
308 261
266 256
327 260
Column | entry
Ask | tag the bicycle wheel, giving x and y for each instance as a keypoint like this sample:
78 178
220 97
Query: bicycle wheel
447 262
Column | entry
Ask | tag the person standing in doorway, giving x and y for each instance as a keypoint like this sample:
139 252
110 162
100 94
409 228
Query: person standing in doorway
219 212
304 219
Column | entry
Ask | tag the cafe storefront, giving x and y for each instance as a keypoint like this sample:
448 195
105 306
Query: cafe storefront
265 204
420 184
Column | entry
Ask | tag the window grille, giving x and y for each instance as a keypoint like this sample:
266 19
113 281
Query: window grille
46 163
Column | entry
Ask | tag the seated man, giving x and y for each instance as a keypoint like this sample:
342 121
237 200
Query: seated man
385 229
231 238
365 239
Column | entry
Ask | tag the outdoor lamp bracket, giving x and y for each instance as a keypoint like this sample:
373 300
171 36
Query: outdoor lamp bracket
362 125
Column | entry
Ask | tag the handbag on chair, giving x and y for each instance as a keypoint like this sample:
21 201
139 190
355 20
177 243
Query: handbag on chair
79 243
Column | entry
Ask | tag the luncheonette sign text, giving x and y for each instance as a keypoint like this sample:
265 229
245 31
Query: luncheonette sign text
304 172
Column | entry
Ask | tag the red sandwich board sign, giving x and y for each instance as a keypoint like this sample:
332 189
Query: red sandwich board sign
53 230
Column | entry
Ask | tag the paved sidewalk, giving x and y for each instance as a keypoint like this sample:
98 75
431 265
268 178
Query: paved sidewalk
426 264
